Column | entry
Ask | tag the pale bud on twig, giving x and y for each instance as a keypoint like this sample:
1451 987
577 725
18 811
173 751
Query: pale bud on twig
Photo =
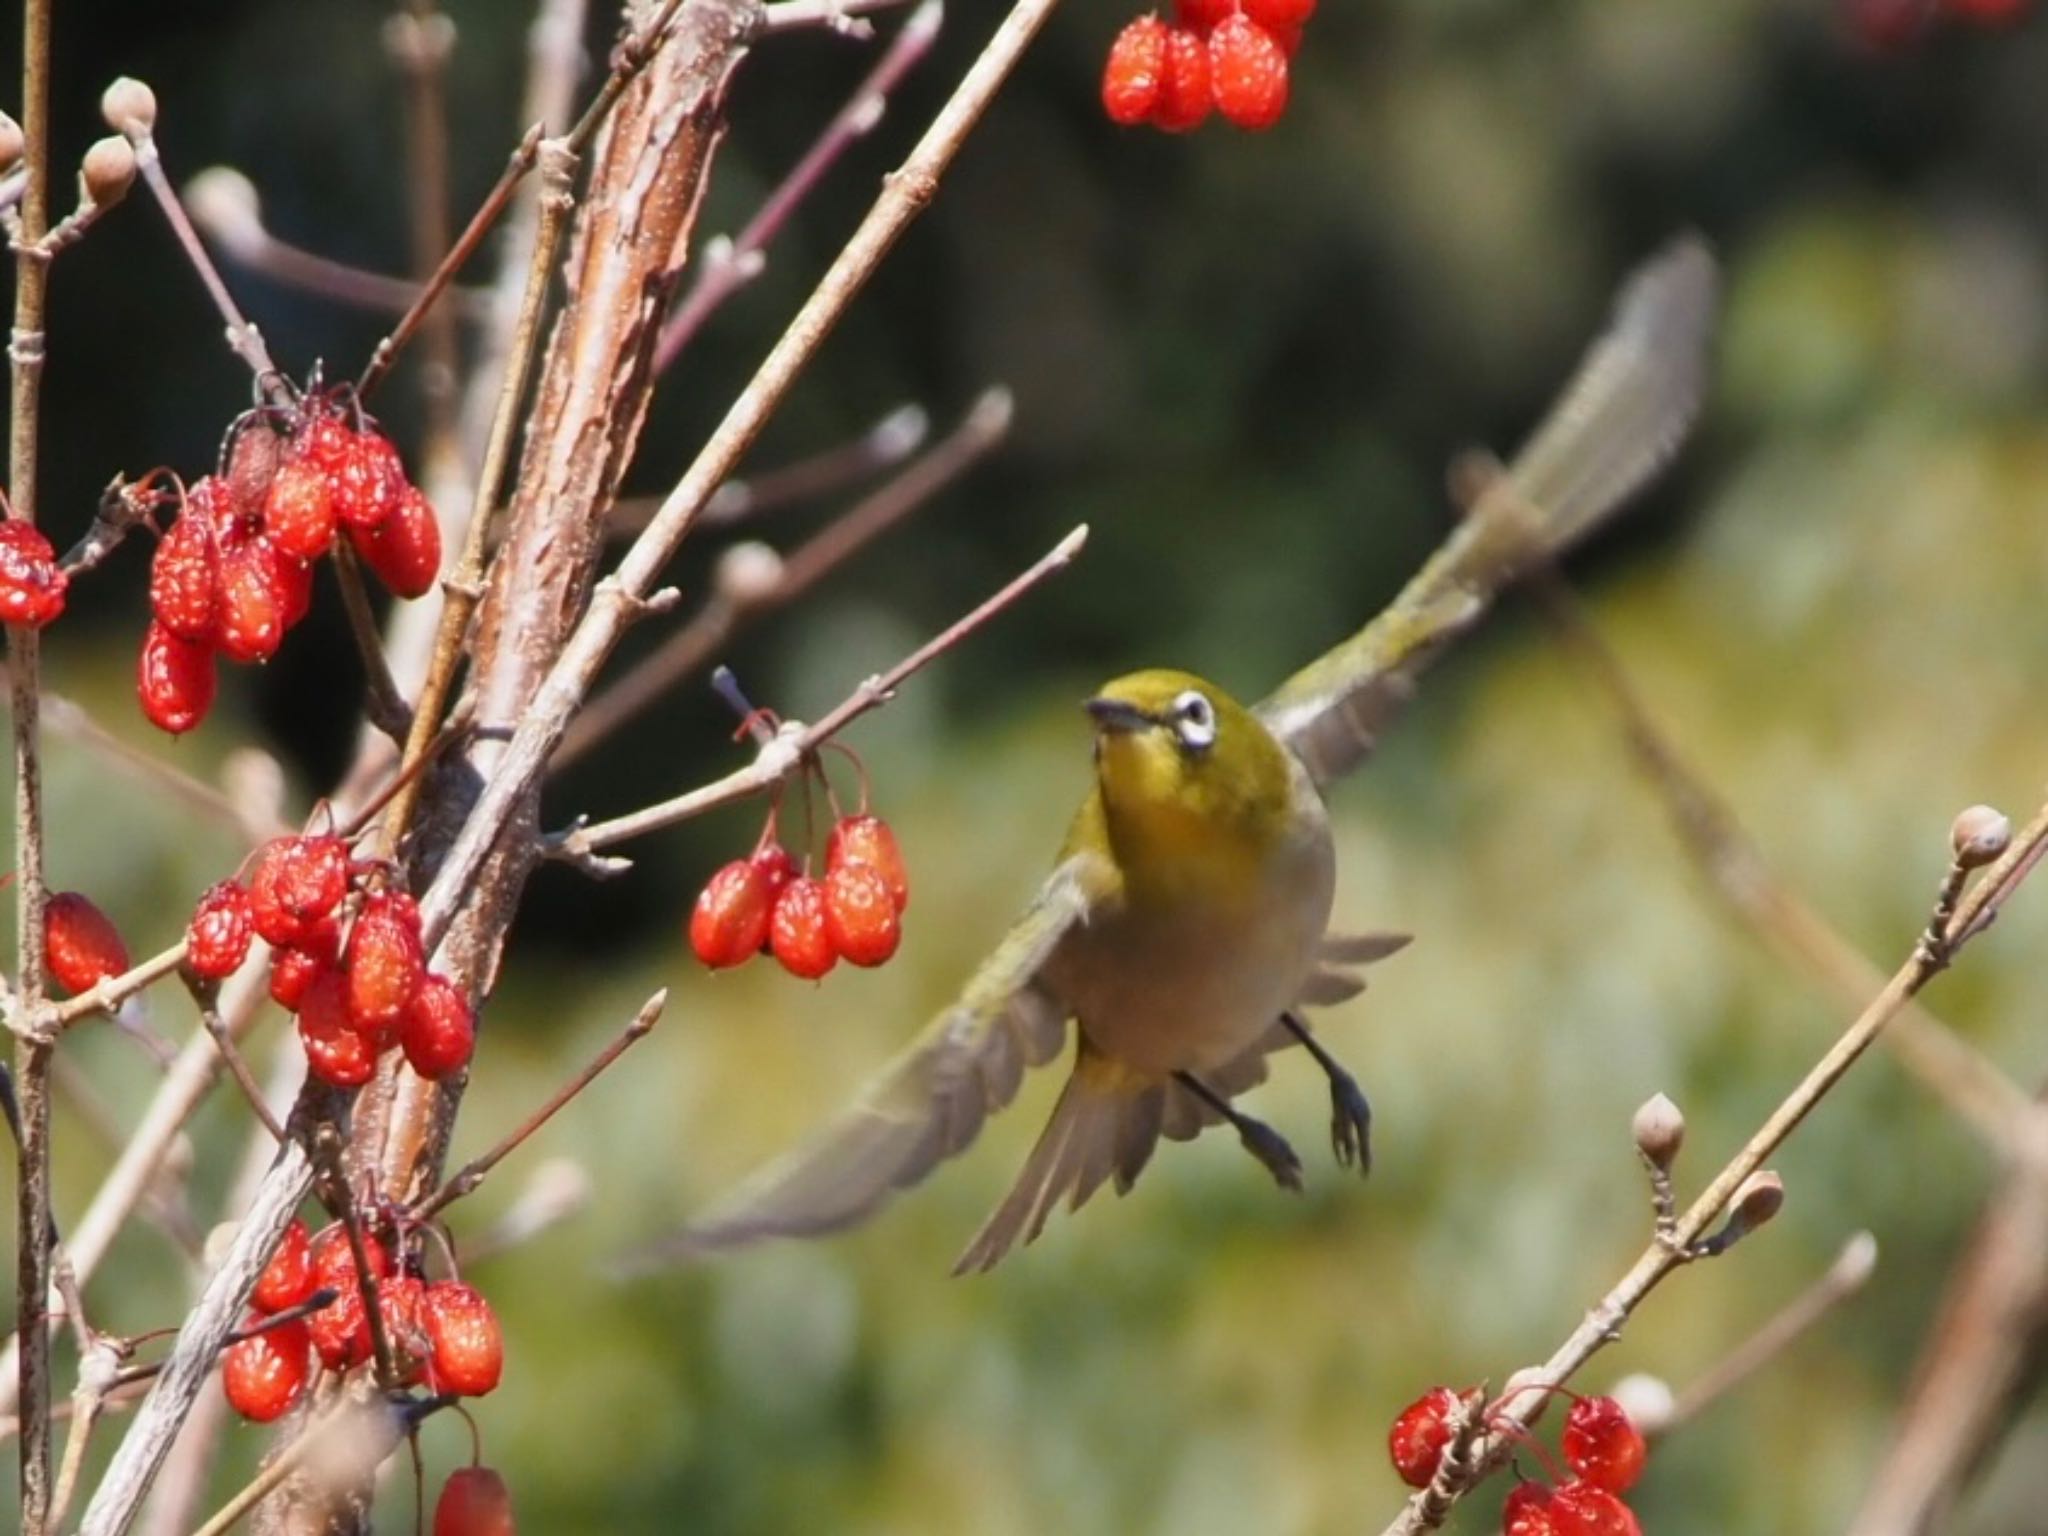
129 107
12 143
1761 1197
1659 1129
1979 835
748 573
1647 1400
107 172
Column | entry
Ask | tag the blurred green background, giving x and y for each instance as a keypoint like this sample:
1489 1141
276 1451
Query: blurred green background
1244 360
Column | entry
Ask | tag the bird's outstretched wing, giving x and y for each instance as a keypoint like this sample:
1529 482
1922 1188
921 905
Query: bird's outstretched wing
1619 420
926 1105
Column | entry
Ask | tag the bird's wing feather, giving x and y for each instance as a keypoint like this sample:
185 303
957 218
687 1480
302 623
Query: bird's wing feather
1618 421
928 1103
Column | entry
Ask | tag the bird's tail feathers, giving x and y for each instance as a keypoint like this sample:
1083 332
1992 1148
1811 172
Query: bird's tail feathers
1102 1125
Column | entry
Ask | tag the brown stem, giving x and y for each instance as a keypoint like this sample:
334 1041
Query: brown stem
386 708
694 646
35 1039
223 1039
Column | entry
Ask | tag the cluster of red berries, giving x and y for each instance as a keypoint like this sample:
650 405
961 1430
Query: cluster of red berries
474 1502
768 904
442 1333
1602 1447
234 572
1226 55
31 584
1889 24
346 957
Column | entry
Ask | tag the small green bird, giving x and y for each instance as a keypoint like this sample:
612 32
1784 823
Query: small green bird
1183 928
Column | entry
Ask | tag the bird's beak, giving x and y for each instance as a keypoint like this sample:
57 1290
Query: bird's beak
1116 715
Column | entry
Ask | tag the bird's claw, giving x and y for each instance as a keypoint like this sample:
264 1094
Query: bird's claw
1350 1125
1273 1153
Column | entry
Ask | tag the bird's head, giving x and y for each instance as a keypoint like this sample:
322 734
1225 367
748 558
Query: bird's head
1177 756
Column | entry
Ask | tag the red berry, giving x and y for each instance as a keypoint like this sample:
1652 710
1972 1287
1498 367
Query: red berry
287 1279
217 938
295 967
1602 1446
337 1052
1204 14
174 679
1184 84
385 965
341 1330
1527 1512
474 1502
1416 1442
860 914
295 884
778 864
323 441
298 512
438 1034
405 550
1583 1509
184 580
730 920
868 840
368 481
1275 14
231 516
254 458
255 599
1131 78
796 930
1289 39
469 1347
401 1304
1248 72
31 587
263 1375
81 945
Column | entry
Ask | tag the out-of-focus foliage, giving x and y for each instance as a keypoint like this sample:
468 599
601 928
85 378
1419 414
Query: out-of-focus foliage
1245 360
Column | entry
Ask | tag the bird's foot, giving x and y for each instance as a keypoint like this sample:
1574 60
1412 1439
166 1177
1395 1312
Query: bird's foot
1350 1123
1272 1151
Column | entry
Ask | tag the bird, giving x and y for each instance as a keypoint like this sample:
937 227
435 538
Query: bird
1184 928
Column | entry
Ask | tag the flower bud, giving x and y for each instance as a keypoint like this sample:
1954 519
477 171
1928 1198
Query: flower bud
1659 1129
1761 1197
1980 834
1647 1400
129 107
748 573
107 172
12 143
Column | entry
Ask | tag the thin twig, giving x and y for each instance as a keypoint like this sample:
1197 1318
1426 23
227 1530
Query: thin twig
387 710
793 745
63 717
730 266
1604 1323
616 600
477 1169
873 515
834 15
1946 1064
375 1424
210 1021
327 1155
26 351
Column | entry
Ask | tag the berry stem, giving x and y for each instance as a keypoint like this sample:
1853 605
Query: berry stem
238 1068
385 706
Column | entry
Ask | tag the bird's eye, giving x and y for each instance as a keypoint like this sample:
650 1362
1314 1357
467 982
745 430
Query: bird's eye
1194 721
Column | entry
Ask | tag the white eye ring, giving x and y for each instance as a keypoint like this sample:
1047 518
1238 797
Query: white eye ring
1194 721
